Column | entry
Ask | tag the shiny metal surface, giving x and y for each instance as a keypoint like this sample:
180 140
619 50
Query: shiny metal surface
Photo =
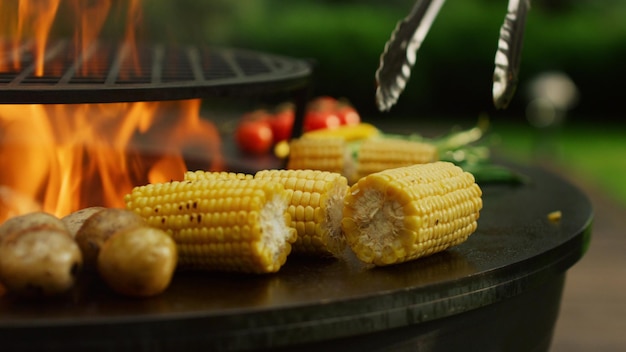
399 54
509 53
398 57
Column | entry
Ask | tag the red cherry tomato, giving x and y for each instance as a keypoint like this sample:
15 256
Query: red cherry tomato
315 120
258 114
348 115
322 103
254 136
282 123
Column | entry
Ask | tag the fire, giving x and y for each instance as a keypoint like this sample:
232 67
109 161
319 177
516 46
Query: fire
39 16
91 17
63 157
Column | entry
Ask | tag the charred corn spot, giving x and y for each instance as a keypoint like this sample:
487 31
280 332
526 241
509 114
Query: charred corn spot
409 212
315 206
220 223
378 154
325 154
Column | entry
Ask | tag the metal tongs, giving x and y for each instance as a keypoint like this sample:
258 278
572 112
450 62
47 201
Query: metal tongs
398 58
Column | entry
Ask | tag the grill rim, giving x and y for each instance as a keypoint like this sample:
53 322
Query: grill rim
285 74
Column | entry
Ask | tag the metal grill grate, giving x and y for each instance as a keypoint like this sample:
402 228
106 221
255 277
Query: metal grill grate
111 73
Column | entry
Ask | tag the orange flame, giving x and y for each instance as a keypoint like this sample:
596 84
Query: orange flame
91 17
37 16
60 158
63 158
8 26
133 18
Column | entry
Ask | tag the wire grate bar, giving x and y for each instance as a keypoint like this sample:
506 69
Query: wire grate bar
111 73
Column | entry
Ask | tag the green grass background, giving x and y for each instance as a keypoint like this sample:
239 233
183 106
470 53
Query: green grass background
592 153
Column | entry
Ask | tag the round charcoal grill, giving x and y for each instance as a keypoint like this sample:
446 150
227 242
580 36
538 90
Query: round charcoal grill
513 267
166 73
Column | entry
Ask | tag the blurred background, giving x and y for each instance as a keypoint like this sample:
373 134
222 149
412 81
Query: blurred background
452 76
581 137
584 40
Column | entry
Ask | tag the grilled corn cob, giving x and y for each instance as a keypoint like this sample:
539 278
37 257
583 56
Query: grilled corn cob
326 154
349 132
218 175
316 208
378 154
405 213
220 224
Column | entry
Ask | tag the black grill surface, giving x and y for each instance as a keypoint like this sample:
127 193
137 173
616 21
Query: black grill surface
114 73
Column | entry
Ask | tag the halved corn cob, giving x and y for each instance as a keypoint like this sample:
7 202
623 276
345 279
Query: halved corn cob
316 208
221 224
378 154
326 154
405 213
